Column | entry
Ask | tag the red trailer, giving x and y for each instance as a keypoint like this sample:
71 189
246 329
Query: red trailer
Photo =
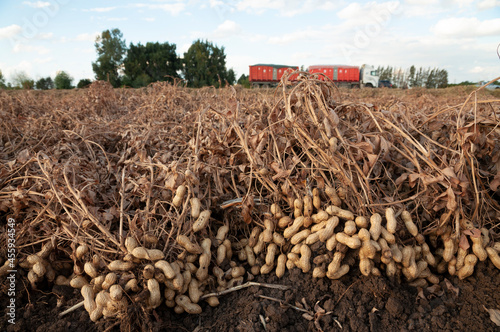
342 74
269 75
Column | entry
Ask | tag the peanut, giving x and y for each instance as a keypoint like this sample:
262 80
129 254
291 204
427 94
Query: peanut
154 293
320 216
468 268
298 205
350 227
333 196
294 228
449 249
271 253
81 251
194 291
179 195
316 198
88 298
254 236
410 225
195 207
342 214
478 249
494 257
300 236
391 220
351 242
130 244
202 221
376 226
308 206
280 266
305 258
190 247
276 211
343 270
285 221
361 222
268 231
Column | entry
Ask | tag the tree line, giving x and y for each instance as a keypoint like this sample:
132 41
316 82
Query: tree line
138 65
204 64
21 80
430 78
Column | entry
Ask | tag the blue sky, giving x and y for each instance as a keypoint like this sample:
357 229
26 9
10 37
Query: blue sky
42 37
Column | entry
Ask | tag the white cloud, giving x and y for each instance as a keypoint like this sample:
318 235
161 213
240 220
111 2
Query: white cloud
477 70
23 48
355 13
101 9
43 60
467 27
488 4
216 3
117 19
10 31
172 8
149 19
287 8
37 4
47 35
298 35
23 66
226 29
89 37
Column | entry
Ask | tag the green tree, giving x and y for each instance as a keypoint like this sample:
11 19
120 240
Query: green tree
231 76
21 80
2 81
411 76
83 83
442 78
63 80
243 81
150 63
44 83
205 64
110 49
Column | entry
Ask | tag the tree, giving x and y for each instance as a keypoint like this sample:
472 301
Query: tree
150 63
243 80
45 83
63 80
83 83
21 80
411 76
2 81
231 76
442 78
110 50
205 64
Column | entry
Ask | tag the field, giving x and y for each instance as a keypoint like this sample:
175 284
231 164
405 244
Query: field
304 208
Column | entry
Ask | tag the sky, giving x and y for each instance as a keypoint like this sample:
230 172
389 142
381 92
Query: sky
46 36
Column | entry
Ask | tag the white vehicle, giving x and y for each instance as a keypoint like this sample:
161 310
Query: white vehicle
368 76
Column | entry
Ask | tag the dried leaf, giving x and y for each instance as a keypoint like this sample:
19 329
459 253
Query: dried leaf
464 243
473 232
495 183
23 156
308 316
494 315
450 287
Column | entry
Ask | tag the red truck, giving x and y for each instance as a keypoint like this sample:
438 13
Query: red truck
267 75
349 76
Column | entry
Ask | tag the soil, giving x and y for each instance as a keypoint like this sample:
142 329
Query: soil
353 303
